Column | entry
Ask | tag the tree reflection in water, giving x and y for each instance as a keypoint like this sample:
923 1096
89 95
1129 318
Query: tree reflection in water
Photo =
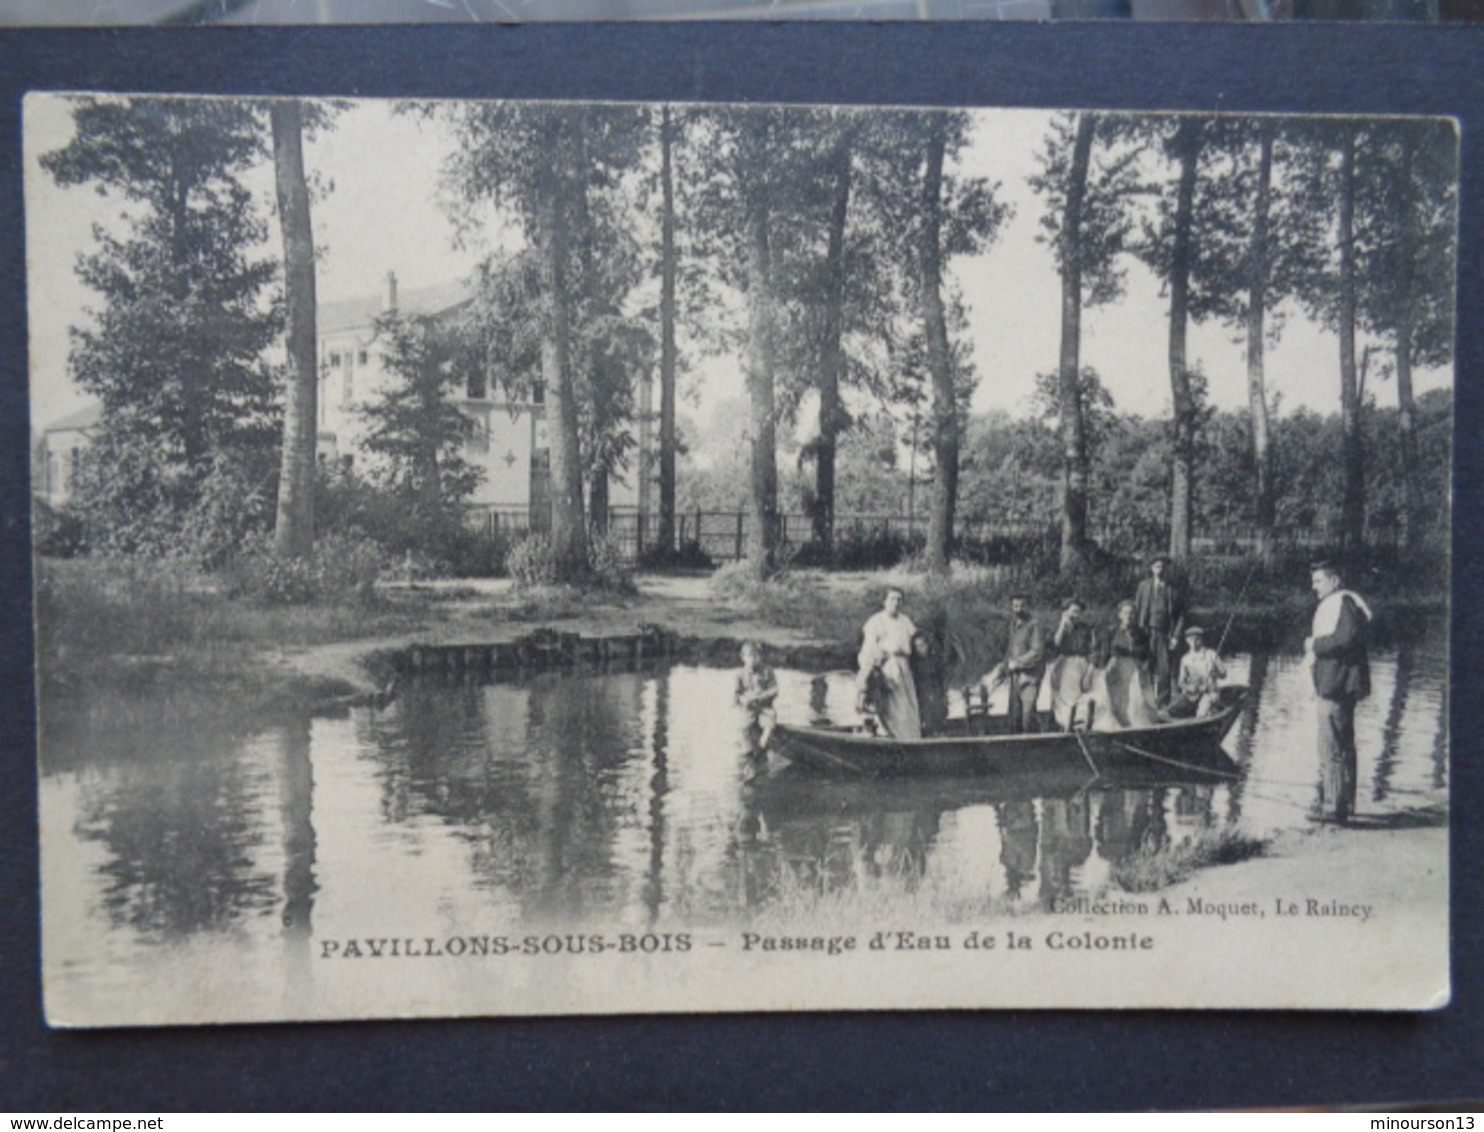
623 798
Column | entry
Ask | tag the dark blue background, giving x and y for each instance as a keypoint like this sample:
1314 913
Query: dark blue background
1059 1060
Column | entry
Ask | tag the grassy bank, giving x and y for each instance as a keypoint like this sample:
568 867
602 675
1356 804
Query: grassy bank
141 627
150 628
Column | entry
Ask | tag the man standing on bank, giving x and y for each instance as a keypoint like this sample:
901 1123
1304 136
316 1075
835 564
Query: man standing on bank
1342 678
1159 610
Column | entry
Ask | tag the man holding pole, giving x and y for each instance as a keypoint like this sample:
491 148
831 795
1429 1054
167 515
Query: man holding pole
1023 666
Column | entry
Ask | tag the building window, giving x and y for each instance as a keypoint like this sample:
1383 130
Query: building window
361 358
334 357
538 392
477 387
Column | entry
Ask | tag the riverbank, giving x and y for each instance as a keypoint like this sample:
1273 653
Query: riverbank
143 630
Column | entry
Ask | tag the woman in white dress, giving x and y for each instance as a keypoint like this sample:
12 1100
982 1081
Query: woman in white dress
886 648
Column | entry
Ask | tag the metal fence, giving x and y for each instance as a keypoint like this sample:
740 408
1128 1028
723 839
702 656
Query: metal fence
723 534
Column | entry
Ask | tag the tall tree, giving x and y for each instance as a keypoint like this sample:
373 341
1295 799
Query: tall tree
293 534
1352 451
756 136
832 417
413 427
1087 222
665 536
1259 269
1186 148
1171 245
541 163
1408 175
935 330
932 213
175 352
1259 239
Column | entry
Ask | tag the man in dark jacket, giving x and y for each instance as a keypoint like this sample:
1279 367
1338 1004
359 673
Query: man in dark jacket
1159 610
1342 677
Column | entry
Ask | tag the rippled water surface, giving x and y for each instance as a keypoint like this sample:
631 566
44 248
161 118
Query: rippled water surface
624 799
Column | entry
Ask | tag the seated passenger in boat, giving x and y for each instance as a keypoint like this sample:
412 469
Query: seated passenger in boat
1201 673
1069 683
1075 636
1126 639
930 676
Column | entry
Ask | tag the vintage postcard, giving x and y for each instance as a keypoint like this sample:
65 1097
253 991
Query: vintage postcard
506 558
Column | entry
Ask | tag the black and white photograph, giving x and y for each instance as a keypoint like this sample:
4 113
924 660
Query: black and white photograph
530 557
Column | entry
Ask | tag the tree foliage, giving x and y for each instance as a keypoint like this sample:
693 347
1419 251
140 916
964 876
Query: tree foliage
174 350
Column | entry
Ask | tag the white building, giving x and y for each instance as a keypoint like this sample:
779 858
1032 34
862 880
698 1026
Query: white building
507 439
57 452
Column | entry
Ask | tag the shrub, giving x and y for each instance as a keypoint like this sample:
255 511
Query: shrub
56 533
532 561
610 571
689 555
441 542
861 547
341 570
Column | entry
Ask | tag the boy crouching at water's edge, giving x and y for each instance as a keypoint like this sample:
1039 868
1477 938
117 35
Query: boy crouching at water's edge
755 692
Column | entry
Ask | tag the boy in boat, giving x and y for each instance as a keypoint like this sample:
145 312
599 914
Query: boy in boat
755 691
1201 673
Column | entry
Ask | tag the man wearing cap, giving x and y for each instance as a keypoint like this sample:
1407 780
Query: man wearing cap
1201 673
1159 610
1338 656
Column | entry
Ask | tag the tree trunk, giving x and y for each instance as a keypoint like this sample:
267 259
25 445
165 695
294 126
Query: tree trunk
568 531
935 328
597 502
1188 149
762 534
293 532
1076 471
1257 396
832 356
1407 425
1352 512
1408 202
665 536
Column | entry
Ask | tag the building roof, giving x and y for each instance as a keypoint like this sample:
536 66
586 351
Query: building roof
337 315
86 417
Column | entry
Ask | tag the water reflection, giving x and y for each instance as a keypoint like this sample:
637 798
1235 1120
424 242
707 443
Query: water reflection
620 799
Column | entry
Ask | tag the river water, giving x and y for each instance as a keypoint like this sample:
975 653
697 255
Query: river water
623 799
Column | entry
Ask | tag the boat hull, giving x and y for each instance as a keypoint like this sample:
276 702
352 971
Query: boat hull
1187 744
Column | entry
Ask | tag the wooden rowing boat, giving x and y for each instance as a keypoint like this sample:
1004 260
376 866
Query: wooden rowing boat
979 745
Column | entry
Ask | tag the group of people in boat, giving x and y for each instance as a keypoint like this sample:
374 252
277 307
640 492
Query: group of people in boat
1149 667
